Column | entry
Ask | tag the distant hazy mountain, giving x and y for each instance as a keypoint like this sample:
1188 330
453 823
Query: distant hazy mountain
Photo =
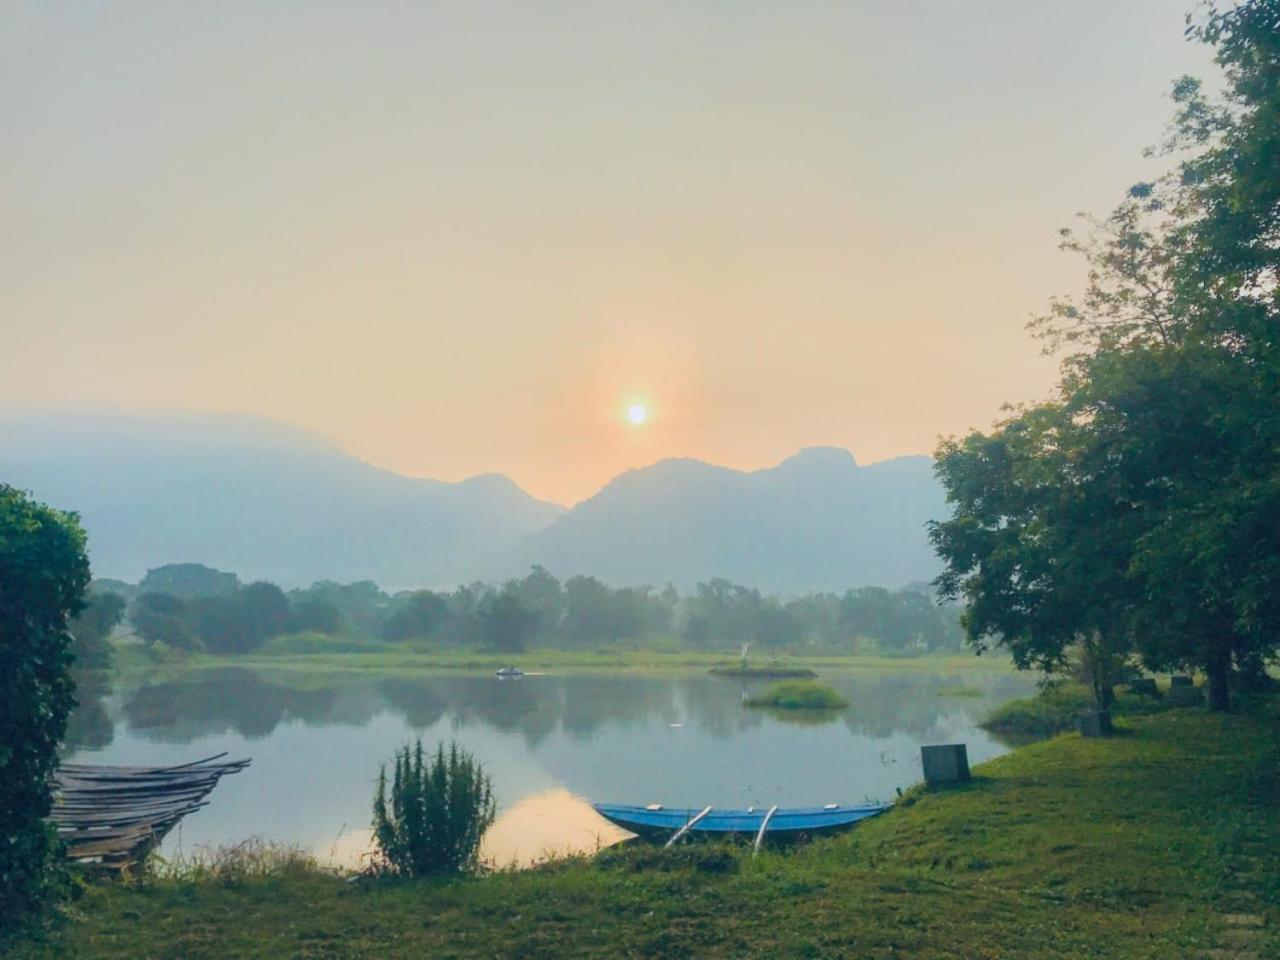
272 502
259 499
817 521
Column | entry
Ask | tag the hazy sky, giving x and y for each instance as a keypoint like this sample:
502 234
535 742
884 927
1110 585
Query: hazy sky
461 238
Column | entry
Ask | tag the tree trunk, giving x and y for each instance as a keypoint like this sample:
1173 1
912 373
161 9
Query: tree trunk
1104 695
1218 671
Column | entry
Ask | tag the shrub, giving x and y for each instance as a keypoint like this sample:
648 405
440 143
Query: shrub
799 695
438 810
43 577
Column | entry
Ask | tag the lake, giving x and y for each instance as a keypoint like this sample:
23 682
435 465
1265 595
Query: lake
549 742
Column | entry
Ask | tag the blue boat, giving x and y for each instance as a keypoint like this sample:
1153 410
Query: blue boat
656 821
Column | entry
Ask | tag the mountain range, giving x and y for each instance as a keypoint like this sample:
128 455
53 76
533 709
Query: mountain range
272 502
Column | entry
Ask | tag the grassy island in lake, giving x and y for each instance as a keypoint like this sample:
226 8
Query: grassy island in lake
763 673
799 695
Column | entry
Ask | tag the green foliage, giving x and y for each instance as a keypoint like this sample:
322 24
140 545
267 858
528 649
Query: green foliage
581 613
161 618
44 573
1138 510
436 813
418 616
1038 545
187 580
312 615
799 695
504 622
91 630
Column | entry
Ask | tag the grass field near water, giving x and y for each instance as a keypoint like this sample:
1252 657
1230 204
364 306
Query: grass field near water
1157 843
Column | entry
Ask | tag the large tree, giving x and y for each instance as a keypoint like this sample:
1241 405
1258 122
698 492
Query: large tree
1171 381
43 576
1039 545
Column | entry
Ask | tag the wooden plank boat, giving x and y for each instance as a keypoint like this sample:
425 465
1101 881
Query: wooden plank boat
112 817
656 821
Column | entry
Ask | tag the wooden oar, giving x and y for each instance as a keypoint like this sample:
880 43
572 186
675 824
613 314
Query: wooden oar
764 825
685 829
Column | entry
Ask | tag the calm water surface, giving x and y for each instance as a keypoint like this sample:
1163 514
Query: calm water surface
550 743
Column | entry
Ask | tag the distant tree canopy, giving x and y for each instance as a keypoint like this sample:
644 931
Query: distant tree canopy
1135 514
581 612
187 580
90 630
44 573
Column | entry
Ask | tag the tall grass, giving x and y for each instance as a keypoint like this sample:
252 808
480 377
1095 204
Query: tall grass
251 859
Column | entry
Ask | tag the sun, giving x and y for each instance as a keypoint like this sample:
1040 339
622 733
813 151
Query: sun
637 413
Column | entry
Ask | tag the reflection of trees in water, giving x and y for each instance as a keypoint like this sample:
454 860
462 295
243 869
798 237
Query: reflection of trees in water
420 705
715 705
89 727
597 700
216 701
535 707
530 706
911 703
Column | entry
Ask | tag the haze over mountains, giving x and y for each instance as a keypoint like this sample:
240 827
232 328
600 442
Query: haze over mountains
272 502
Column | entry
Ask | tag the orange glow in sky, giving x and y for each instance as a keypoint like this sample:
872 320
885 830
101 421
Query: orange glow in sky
469 238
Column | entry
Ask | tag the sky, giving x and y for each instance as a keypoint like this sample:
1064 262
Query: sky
466 238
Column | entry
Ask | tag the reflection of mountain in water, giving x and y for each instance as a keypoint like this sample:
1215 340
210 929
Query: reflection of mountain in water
253 705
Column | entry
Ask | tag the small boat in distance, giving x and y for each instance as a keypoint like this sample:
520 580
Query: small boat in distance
509 672
656 821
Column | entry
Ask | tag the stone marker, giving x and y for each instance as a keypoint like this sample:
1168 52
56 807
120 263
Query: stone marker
1146 686
1094 723
1180 681
945 763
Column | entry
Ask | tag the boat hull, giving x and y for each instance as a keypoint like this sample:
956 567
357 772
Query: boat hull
786 823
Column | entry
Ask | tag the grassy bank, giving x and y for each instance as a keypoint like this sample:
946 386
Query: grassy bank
1157 843
294 655
1055 711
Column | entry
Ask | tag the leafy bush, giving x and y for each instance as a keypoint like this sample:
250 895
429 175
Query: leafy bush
799 695
438 810
43 576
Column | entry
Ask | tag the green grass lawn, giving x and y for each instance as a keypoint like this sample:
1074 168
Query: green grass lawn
1157 843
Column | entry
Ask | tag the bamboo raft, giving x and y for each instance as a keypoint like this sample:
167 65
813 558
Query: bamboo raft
112 817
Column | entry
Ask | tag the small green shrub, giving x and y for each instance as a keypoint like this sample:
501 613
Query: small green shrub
799 695
437 811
